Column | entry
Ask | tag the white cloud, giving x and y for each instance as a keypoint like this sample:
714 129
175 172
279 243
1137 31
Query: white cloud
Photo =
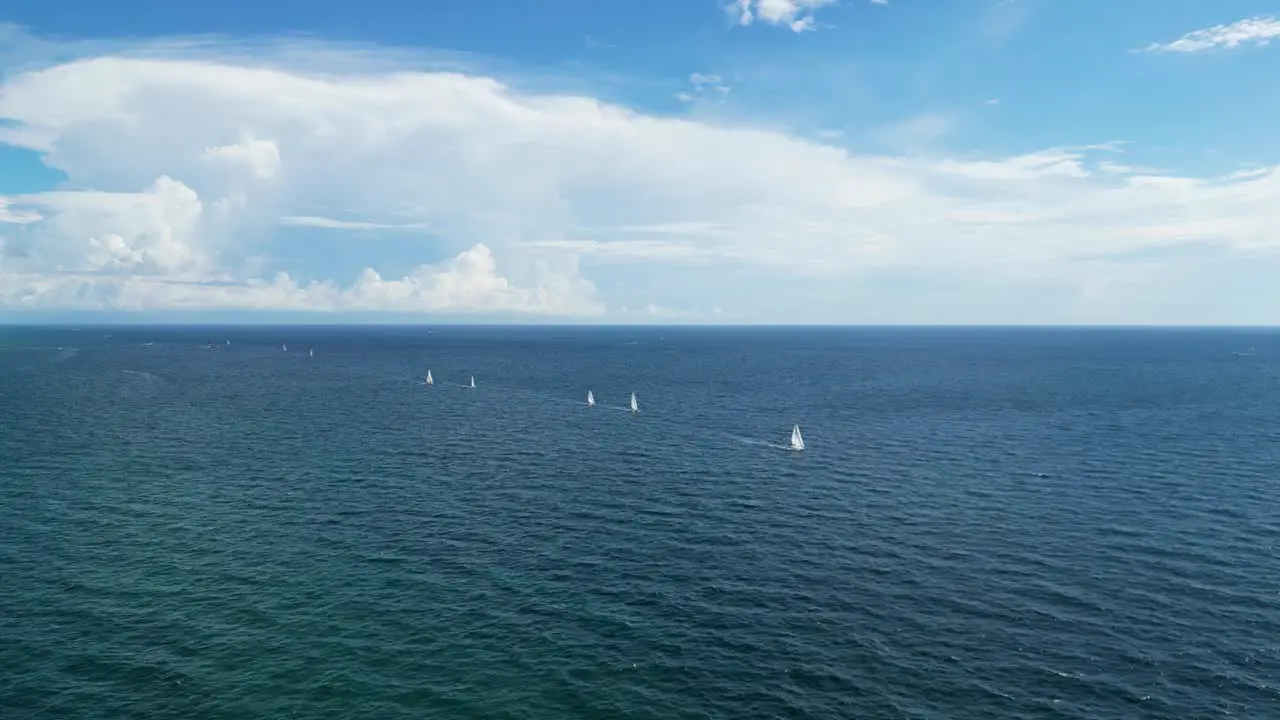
1032 166
630 251
19 217
468 283
311 221
1115 168
187 166
1250 31
262 157
794 14
703 86
157 231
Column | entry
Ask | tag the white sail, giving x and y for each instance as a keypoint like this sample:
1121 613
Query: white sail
473 382
797 442
591 399
430 381
311 352
284 348
634 407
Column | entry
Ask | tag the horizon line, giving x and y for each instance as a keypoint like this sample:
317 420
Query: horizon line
5 324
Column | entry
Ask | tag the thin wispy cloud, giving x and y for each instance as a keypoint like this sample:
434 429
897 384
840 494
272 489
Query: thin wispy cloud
311 221
1255 31
703 87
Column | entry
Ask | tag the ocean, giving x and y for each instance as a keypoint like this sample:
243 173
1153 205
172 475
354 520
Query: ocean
987 523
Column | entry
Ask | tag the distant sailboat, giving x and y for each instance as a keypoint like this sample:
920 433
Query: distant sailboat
284 348
797 442
473 382
430 381
634 407
591 399
311 352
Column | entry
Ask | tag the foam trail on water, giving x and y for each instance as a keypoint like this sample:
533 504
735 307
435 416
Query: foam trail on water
140 373
751 441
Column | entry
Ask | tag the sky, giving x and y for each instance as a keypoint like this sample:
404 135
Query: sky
664 161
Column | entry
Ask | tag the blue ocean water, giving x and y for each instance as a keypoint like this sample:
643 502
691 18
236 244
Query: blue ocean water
986 523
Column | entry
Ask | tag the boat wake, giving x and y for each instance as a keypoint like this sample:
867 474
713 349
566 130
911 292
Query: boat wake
144 375
759 443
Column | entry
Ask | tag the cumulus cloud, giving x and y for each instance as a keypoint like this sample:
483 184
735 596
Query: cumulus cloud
469 283
1250 31
155 231
186 165
794 14
261 157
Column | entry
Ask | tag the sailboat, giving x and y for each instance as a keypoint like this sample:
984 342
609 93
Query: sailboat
797 442
634 407
473 382
430 381
311 352
284 348
591 399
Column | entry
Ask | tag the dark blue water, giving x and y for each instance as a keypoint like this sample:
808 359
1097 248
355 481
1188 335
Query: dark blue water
986 524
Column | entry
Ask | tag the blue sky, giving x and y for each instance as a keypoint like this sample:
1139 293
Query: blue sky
829 161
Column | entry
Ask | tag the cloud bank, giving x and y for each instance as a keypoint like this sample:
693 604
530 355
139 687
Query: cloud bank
184 166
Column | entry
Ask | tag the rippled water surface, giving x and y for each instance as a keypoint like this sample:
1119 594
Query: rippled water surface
986 524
